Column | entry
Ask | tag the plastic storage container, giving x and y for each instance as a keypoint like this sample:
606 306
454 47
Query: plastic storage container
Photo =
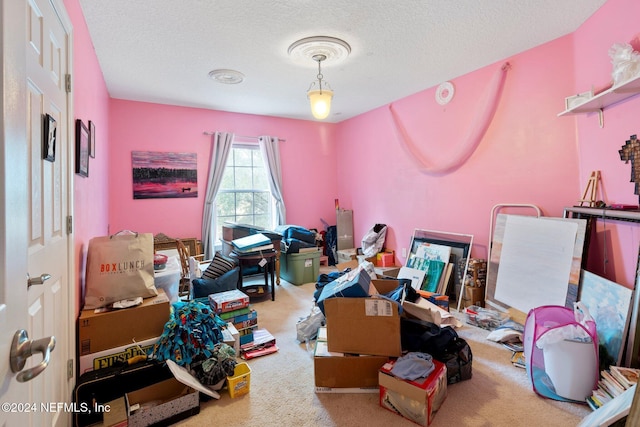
300 268
569 365
560 368
240 382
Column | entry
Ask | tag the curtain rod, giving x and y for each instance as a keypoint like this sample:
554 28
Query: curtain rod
240 136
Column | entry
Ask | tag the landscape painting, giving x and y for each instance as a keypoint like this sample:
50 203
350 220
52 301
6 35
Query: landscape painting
164 175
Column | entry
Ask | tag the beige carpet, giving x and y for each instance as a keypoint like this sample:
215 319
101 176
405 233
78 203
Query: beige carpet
282 385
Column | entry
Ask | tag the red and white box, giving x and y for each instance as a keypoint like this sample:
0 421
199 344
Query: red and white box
223 302
417 400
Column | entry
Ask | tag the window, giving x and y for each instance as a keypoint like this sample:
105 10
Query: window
244 195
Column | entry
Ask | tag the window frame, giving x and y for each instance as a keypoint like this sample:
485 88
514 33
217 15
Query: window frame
220 220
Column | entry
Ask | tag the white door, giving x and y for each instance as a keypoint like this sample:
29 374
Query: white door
36 203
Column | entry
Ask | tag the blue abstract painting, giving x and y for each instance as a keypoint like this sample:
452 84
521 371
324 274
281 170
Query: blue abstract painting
609 304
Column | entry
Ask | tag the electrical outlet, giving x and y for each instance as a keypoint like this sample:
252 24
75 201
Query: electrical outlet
404 252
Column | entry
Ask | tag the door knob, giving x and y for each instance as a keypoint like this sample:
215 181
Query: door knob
23 348
37 280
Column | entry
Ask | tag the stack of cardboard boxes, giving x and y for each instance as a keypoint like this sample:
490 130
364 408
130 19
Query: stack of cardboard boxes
113 339
110 337
356 351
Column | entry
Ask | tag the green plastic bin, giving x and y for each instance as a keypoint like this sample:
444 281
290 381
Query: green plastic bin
300 268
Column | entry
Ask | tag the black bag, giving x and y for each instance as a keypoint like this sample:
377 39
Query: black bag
443 343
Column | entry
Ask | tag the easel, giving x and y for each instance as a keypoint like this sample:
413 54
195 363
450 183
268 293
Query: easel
591 190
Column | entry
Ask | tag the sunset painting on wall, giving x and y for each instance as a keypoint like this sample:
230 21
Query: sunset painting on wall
164 175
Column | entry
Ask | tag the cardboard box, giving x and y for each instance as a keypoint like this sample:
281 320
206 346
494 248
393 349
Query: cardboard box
368 325
352 264
387 272
116 413
232 232
113 356
223 302
473 296
231 337
385 259
339 370
116 328
346 255
417 400
173 401
346 390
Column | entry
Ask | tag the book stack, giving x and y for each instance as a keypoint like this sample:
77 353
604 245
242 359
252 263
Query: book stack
234 307
613 382
263 343
435 261
245 320
252 244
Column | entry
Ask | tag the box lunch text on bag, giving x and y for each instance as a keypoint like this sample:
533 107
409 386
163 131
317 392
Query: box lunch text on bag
119 267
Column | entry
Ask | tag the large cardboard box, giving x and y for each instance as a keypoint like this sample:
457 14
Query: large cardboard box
417 400
113 356
340 370
172 401
166 402
369 325
99 331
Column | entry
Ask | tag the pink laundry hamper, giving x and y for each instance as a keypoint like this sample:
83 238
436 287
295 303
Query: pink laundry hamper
564 369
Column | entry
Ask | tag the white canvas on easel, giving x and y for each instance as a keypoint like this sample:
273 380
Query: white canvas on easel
535 262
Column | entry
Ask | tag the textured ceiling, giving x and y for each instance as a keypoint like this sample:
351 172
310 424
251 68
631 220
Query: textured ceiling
162 51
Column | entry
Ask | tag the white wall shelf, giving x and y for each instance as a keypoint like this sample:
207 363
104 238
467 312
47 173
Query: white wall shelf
611 96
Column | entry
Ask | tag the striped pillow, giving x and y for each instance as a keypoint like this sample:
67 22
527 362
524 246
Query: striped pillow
219 265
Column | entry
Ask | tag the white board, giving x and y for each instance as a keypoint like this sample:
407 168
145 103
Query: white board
535 262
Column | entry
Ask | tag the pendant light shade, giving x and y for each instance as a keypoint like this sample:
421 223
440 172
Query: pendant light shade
320 100
319 49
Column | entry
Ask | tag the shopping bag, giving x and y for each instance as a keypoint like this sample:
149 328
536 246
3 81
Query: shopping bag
119 267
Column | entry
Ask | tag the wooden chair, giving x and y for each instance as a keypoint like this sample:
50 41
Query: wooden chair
184 289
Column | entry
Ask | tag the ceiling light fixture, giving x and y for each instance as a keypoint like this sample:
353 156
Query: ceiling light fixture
320 99
320 49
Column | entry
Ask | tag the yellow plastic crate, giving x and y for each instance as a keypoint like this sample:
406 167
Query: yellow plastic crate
239 383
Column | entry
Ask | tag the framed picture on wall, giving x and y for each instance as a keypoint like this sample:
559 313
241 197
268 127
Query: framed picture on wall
49 138
82 149
92 139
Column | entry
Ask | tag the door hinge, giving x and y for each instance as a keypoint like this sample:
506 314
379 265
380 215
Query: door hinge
69 369
67 83
69 224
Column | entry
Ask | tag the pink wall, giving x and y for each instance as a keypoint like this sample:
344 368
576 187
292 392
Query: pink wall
307 156
614 251
91 100
528 155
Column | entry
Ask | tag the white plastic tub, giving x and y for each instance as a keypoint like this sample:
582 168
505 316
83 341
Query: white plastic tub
570 366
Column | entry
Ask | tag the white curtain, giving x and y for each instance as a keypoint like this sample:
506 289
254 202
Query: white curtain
269 147
220 147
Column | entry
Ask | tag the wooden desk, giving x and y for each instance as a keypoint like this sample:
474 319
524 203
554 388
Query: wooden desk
227 249
255 259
